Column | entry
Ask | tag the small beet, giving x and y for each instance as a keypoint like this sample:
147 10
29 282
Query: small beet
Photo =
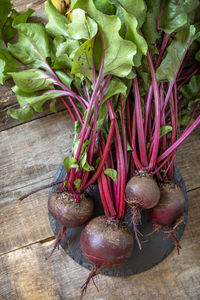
170 211
142 190
105 243
67 211
170 207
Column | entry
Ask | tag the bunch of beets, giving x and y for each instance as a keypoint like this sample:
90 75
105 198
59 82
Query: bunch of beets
128 73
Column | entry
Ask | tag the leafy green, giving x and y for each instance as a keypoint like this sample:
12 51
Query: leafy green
118 52
70 163
33 46
175 53
165 130
24 113
35 100
105 7
83 60
137 9
5 8
192 89
149 28
115 87
112 174
81 27
7 64
174 14
132 33
77 183
32 80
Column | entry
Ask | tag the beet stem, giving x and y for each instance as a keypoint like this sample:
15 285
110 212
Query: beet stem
40 189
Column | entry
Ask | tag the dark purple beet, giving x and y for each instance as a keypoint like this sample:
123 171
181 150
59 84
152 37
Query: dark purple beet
143 191
106 243
170 207
67 211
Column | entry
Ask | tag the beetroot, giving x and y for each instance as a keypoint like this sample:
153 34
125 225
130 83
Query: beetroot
170 210
105 243
170 207
142 190
68 212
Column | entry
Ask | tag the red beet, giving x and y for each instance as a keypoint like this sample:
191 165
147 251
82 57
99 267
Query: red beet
68 212
170 211
142 190
170 207
105 243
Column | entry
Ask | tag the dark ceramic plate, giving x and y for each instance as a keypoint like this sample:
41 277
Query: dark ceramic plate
154 248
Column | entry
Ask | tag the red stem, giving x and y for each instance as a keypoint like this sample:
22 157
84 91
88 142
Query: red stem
156 134
140 128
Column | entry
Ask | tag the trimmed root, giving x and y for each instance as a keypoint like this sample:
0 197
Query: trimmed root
170 231
136 219
157 227
95 270
58 240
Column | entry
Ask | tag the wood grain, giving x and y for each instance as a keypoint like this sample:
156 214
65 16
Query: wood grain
21 5
30 154
25 274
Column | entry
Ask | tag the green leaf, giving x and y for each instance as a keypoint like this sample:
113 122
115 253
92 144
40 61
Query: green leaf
52 106
7 64
62 62
175 53
191 103
32 80
197 56
33 46
149 28
70 163
184 120
165 130
22 18
23 114
83 60
5 8
66 79
97 162
81 27
112 174
118 52
65 46
137 8
132 33
191 89
115 87
175 14
36 101
77 183
57 22
105 7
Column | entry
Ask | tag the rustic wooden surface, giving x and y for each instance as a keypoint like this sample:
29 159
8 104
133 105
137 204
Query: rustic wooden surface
29 156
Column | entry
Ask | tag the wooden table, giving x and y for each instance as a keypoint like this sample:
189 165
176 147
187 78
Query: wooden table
29 157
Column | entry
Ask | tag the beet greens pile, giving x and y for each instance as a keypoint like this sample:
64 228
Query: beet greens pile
128 74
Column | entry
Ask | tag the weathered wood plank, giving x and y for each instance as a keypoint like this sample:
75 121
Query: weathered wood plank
25 274
21 5
188 160
30 153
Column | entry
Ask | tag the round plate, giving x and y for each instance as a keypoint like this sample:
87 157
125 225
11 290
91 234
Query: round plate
154 247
